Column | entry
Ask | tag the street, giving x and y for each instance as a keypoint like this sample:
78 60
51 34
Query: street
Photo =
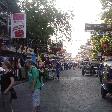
43 37
72 93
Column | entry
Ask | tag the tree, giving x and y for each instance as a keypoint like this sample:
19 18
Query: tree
103 43
96 45
44 20
6 7
56 47
107 7
9 6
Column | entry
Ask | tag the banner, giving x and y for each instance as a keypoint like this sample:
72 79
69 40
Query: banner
18 25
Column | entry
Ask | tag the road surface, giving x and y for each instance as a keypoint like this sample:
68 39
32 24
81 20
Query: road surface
72 93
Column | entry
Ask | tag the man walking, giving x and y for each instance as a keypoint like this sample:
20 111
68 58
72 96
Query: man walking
35 84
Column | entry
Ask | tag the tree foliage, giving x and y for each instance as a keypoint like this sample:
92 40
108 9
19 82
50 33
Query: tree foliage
103 43
6 7
56 47
9 6
107 14
44 20
95 41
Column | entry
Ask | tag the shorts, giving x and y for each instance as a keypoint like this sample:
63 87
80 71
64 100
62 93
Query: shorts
36 98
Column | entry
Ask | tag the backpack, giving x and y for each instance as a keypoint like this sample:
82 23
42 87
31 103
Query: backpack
40 74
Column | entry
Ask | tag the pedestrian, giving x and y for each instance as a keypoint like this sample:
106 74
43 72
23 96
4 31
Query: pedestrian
7 83
19 69
100 72
58 67
74 65
92 70
35 85
65 66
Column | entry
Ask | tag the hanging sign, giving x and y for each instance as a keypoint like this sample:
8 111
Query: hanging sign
18 25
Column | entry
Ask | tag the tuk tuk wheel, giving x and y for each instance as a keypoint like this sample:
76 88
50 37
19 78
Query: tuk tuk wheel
103 92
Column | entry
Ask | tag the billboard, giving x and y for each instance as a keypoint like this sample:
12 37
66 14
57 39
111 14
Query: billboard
18 25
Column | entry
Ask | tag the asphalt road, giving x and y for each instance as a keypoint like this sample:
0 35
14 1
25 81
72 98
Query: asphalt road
72 93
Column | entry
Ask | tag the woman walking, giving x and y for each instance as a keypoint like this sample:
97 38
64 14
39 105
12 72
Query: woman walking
7 82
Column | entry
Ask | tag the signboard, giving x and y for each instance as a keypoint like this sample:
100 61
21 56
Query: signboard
18 25
97 27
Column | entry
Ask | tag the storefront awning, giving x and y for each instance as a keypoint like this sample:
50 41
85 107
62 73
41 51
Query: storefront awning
8 53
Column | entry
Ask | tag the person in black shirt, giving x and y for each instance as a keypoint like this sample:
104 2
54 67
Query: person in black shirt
7 82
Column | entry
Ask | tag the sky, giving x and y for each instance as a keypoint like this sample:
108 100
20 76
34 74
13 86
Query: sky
86 11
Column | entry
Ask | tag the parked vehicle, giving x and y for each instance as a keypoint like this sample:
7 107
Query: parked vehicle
90 68
106 86
85 69
95 68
